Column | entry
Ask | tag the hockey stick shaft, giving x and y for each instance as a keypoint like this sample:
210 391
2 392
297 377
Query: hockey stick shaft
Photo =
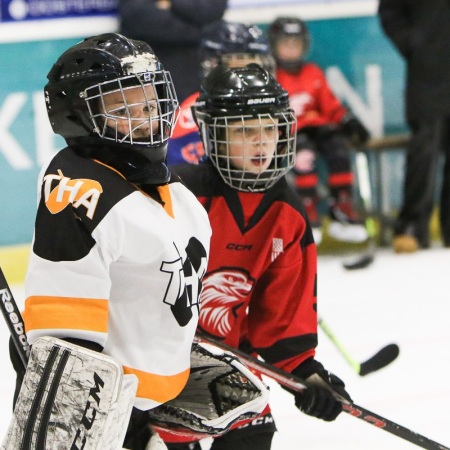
296 384
355 365
14 320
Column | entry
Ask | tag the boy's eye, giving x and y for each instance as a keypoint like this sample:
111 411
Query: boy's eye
120 111
151 107
242 130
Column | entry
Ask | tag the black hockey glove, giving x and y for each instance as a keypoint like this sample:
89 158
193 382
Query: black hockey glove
355 131
325 394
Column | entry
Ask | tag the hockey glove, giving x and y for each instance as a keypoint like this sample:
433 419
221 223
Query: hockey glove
325 393
355 131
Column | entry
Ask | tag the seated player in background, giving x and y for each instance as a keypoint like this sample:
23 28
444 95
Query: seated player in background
325 127
112 227
233 44
259 290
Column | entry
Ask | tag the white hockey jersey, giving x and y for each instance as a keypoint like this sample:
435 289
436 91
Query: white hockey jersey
121 267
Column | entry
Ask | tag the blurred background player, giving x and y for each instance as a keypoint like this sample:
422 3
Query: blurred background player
112 222
259 290
325 127
233 44
173 28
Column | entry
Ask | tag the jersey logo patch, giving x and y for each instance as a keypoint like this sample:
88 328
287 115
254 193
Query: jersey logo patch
193 152
185 285
224 292
300 101
277 248
61 191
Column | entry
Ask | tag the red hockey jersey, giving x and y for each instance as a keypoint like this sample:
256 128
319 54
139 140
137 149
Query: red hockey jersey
311 97
259 290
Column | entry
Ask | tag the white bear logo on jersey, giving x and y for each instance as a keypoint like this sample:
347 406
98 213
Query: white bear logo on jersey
223 293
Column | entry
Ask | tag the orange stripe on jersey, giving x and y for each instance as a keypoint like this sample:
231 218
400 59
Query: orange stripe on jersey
340 179
164 192
66 313
159 388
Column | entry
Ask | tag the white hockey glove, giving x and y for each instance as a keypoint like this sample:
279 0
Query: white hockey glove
71 398
220 392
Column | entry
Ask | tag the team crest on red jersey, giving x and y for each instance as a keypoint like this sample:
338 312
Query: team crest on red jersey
224 292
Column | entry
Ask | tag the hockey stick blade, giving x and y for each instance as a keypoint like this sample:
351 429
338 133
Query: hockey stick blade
358 262
296 384
363 260
381 359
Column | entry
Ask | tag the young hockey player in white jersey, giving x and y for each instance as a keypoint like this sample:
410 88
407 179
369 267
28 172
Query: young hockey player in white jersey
119 250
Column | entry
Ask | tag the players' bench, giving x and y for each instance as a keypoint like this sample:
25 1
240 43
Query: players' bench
382 209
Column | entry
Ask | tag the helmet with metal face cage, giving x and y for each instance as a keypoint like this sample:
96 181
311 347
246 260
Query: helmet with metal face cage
132 135
234 44
246 107
289 27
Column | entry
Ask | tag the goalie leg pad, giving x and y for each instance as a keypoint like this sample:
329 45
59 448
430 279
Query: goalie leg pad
220 392
71 398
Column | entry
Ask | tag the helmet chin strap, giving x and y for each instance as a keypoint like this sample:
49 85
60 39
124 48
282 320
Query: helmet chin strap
138 164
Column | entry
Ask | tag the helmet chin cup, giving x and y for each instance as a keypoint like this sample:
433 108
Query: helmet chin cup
141 165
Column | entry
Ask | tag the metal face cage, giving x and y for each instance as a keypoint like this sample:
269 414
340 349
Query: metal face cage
250 152
139 109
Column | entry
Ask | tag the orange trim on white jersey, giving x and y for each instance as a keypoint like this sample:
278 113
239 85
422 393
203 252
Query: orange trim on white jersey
71 313
159 388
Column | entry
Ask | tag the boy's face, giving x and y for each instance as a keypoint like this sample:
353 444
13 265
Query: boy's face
289 48
132 111
251 144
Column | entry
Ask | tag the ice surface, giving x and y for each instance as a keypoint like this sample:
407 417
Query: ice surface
402 299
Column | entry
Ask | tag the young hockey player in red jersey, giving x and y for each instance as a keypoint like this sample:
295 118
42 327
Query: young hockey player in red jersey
120 247
233 44
324 126
259 290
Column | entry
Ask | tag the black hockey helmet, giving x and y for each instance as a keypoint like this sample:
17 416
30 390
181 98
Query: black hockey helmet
234 44
81 85
289 27
230 98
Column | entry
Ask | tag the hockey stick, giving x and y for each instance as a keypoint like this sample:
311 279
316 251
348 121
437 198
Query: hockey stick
296 384
15 324
14 320
362 173
381 359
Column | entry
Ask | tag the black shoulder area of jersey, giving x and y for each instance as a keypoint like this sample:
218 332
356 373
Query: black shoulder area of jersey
76 194
201 179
